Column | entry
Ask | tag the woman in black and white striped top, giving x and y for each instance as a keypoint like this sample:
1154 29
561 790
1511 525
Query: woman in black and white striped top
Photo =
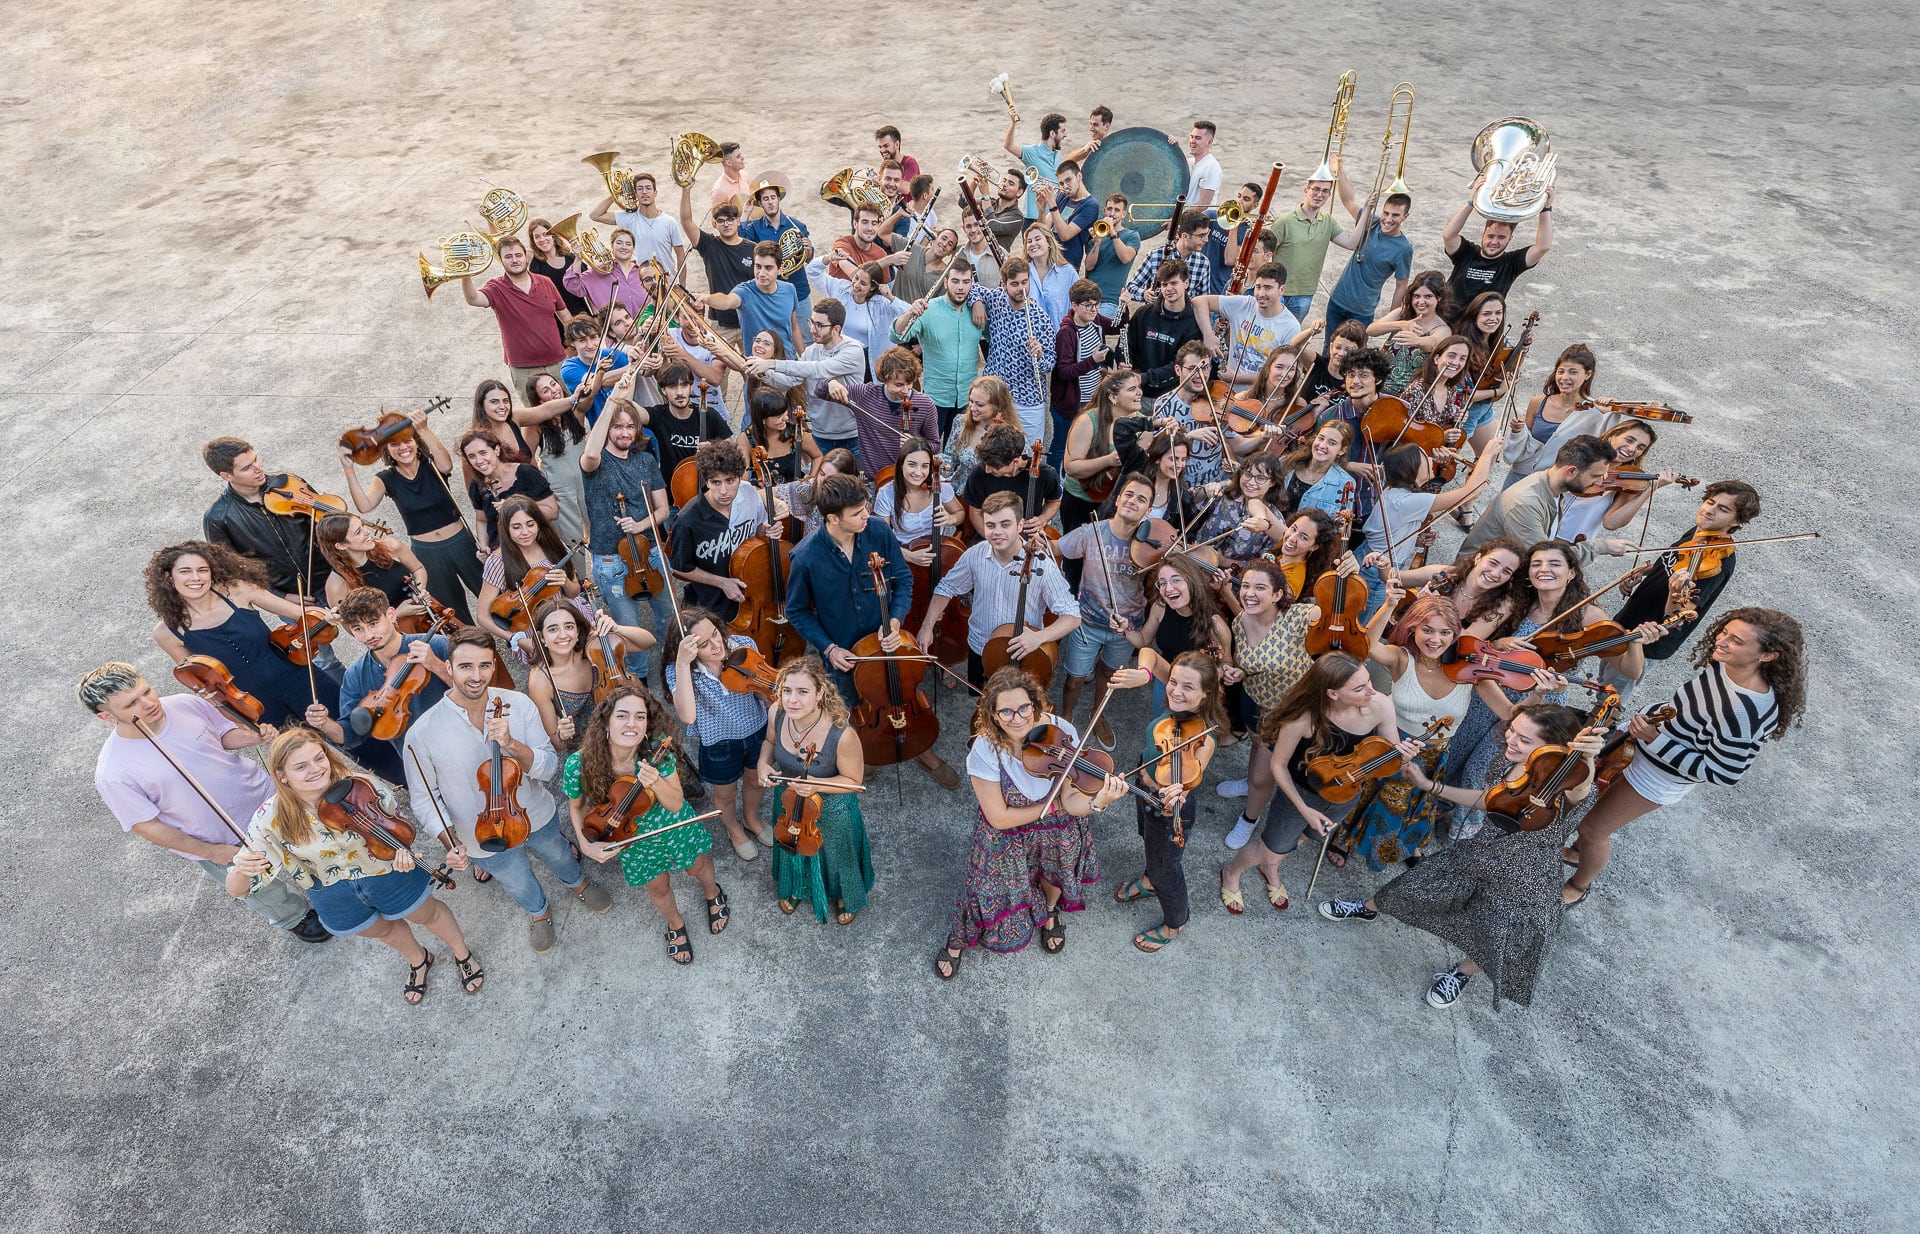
1750 688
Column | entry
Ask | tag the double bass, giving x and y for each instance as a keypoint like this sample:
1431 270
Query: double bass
764 566
1042 660
893 717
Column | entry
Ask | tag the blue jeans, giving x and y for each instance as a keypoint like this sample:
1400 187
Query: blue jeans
1090 643
829 444
514 868
1337 317
1299 306
1057 452
610 576
1376 590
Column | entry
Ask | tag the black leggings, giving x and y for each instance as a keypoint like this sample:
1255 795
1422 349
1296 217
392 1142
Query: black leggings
1075 512
451 563
1165 868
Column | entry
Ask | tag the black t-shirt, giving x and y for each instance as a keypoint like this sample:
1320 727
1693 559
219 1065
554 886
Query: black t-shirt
677 440
1648 602
527 482
1473 273
555 274
1320 380
424 502
981 485
704 539
728 265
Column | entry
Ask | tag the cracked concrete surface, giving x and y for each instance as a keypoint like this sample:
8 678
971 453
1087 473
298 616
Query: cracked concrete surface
218 213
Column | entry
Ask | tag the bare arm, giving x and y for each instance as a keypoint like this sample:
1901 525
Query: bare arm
476 297
603 213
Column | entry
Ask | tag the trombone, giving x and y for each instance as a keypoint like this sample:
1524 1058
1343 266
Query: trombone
1399 116
1336 147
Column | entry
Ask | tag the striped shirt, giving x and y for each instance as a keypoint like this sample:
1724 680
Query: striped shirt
995 590
1718 731
720 714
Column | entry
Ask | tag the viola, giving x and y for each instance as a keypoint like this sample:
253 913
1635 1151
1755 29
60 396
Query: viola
384 713
366 445
1474 659
298 640
351 804
764 566
1341 599
950 636
437 617
642 578
503 822
893 717
1602 638
628 801
1533 798
1340 777
515 607
210 679
605 652
1702 553
1152 540
1041 662
1284 410
1047 751
1621 747
746 671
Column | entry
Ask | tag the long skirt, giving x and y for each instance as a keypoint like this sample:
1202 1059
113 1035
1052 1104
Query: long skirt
841 872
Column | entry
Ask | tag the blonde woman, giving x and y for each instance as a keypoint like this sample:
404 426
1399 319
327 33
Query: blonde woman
989 402
810 735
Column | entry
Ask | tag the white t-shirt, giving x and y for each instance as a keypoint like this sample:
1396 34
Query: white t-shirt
985 761
652 237
1251 337
1405 511
1206 175
911 526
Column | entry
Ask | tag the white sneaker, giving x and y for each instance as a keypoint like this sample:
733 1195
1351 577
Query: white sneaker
1232 788
1241 833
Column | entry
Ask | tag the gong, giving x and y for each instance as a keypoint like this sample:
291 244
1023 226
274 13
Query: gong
1145 167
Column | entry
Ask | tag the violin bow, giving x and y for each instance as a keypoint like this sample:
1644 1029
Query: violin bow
533 633
192 783
648 835
1106 570
1589 598
313 533
817 783
447 839
1432 520
1802 535
1174 749
1079 745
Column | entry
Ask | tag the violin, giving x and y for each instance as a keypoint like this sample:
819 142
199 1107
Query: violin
437 617
209 679
1500 367
1181 757
746 671
514 608
893 717
297 497
503 822
1647 411
1619 481
1153 539
798 830
1621 747
297 640
1475 659
764 566
366 445
1533 799
353 805
950 636
1342 599
1389 422
605 652
1603 638
1340 777
1042 660
1048 752
642 578
628 801
1036 459
384 713
1702 553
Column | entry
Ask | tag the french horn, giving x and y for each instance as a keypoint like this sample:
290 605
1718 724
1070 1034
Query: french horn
851 188
504 212
793 252
585 243
691 152
463 254
619 180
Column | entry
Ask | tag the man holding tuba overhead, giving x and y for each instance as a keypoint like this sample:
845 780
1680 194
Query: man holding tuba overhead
656 233
1493 264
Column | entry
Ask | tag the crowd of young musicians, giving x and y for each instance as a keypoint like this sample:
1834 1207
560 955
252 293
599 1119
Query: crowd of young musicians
1070 457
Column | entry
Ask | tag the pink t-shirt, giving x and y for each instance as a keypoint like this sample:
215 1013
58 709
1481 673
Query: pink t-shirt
139 785
529 331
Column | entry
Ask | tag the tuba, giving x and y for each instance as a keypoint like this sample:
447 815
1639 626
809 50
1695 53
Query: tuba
585 244
852 188
503 212
793 252
690 152
462 255
619 180
1519 164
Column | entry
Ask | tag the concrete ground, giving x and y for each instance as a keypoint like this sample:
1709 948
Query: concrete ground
216 215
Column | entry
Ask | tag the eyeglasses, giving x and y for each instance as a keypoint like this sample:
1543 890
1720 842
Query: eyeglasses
1010 714
817 324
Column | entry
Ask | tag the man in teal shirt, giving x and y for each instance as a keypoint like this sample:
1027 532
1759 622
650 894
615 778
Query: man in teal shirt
1379 250
1043 156
948 331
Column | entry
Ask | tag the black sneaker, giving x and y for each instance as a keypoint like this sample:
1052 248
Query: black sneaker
1446 988
1346 910
310 930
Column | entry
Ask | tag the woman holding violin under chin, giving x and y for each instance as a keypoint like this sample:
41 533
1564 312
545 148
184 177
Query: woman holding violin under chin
1629 486
1019 812
812 758
564 685
362 559
624 782
202 594
306 834
1178 748
723 716
529 549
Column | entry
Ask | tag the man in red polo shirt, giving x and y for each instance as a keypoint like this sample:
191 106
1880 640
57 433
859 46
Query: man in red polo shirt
865 247
530 312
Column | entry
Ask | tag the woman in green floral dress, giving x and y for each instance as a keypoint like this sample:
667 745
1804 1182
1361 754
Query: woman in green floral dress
632 734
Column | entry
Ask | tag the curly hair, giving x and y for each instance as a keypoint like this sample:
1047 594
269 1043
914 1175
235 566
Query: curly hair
1525 595
597 772
1012 677
1327 546
331 541
1785 674
1492 601
815 670
1202 605
228 567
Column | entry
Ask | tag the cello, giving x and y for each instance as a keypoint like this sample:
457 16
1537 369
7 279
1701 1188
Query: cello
503 822
764 566
1042 660
950 636
1036 460
893 717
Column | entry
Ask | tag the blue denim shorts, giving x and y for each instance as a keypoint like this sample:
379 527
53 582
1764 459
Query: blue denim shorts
352 904
724 762
1479 417
1086 644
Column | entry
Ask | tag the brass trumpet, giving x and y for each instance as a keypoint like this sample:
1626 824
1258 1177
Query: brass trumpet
690 152
463 254
584 242
620 183
1101 229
